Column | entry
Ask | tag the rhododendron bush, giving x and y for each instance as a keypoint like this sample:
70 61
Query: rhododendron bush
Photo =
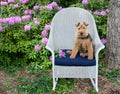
24 31
25 27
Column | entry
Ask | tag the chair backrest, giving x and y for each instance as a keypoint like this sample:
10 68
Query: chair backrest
63 28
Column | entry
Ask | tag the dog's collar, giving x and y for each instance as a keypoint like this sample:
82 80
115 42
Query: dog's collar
88 36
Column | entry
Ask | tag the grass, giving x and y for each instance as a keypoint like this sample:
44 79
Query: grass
30 80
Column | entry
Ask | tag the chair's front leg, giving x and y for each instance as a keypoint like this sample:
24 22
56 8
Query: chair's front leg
54 82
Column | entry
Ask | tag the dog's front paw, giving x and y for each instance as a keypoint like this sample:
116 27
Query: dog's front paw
90 58
72 57
69 52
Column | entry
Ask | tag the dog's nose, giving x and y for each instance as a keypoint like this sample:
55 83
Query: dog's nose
81 33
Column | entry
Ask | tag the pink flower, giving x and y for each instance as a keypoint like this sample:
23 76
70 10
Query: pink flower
36 21
53 4
85 2
17 19
37 47
103 13
103 40
10 1
16 6
44 40
24 1
26 17
61 53
44 33
96 12
36 8
59 8
27 27
11 21
5 20
47 27
28 12
49 7
50 58
3 3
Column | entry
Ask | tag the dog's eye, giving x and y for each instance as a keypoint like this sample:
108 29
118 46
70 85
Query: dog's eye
83 27
78 28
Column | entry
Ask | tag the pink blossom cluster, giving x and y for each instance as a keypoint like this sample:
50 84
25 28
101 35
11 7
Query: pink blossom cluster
61 53
11 20
37 47
28 12
85 2
27 27
16 6
102 13
104 41
36 7
36 21
44 33
26 17
52 5
10 1
5 3
24 1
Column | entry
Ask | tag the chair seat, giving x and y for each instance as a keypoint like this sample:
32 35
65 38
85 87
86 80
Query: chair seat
78 61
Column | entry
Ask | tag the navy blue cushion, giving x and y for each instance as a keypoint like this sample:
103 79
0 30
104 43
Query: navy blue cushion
78 61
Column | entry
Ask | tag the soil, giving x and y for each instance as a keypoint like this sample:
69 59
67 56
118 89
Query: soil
105 86
83 85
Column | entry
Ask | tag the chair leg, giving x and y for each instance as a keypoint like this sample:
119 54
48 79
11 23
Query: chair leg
54 83
95 83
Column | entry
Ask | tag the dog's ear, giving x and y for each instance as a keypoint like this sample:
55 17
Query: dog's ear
77 24
86 24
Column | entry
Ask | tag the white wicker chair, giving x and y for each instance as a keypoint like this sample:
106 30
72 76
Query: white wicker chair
62 36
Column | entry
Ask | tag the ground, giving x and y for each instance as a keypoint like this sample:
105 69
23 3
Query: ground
106 86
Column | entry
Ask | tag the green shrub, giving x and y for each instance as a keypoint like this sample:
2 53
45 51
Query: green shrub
25 30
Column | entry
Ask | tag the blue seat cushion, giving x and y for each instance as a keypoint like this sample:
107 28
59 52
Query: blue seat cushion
78 61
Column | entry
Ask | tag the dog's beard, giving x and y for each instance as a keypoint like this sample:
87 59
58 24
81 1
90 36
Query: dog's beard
82 36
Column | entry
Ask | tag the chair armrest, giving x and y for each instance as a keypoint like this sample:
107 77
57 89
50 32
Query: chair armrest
98 48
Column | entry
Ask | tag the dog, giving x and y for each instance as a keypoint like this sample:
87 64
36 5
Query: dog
83 43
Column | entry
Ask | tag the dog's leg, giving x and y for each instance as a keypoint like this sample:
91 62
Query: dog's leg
90 52
74 51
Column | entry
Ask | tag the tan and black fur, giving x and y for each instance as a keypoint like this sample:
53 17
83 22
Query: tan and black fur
83 43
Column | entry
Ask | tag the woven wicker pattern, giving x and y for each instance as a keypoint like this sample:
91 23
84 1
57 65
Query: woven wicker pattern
74 72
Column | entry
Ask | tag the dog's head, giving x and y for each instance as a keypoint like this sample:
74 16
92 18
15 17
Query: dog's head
82 29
